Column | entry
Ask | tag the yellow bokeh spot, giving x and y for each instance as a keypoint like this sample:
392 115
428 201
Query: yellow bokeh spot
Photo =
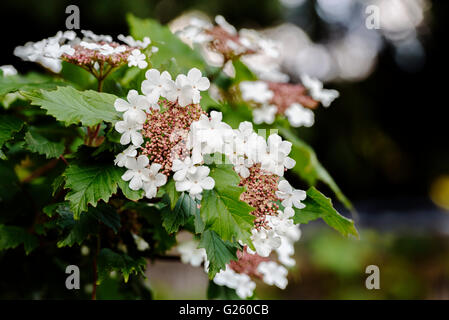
439 192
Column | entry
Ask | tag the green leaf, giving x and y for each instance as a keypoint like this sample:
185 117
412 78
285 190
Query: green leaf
219 252
173 195
71 106
127 192
109 260
185 209
37 143
8 126
170 46
319 206
28 82
242 73
223 211
13 236
88 223
89 184
309 168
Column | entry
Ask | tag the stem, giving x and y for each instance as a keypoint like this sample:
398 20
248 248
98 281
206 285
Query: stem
94 290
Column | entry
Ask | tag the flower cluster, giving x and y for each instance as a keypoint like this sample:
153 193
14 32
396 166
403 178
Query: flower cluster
295 101
170 136
91 51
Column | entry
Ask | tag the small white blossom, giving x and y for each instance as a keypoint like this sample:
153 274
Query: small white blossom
137 59
182 167
273 274
315 87
242 283
276 159
191 254
137 172
265 114
242 165
212 132
195 182
265 241
282 223
130 41
130 132
96 37
155 84
140 242
285 252
154 180
289 195
8 70
256 91
122 158
134 109
299 116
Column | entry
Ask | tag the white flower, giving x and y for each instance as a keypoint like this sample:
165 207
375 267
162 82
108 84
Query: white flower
182 167
95 37
198 82
154 180
213 133
134 109
221 21
137 172
129 130
265 241
242 283
191 254
196 182
256 91
285 252
273 274
299 116
141 244
90 45
256 148
122 158
179 90
130 41
106 50
282 223
242 166
276 158
8 70
265 114
136 58
155 85
289 195
315 87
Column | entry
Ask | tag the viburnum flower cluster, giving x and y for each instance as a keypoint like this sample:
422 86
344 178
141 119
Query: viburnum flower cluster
91 52
169 136
294 101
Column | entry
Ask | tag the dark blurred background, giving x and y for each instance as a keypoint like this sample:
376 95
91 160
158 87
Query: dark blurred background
385 140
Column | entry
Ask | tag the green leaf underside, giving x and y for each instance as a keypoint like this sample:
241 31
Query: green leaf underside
219 252
185 209
8 126
309 168
71 106
223 211
13 236
39 144
109 260
319 206
171 47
